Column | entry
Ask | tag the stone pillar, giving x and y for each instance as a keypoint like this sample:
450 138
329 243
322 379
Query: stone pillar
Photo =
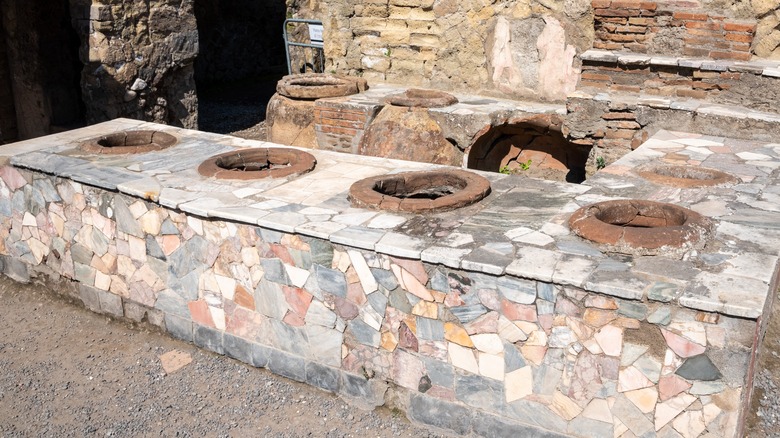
138 60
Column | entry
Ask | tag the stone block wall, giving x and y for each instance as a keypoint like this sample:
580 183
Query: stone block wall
518 47
138 60
495 353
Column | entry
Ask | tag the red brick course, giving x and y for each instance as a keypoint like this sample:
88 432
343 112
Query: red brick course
631 25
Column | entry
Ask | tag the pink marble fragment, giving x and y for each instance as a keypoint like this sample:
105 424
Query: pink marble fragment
356 294
298 299
200 313
12 178
441 393
518 312
282 253
293 319
453 300
487 323
407 339
414 267
681 346
566 307
546 322
244 323
670 386
346 310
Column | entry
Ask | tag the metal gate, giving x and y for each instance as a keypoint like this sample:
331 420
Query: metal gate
315 43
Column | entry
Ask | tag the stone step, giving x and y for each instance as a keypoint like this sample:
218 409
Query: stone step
618 122
662 27
717 81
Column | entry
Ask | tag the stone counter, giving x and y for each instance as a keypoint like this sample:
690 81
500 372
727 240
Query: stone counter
489 319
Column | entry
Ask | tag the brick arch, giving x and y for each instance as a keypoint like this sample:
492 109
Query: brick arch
538 139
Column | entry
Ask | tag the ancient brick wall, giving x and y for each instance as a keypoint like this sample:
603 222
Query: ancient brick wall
339 126
642 27
714 81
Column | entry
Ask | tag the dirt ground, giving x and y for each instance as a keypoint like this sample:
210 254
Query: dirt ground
65 371
236 109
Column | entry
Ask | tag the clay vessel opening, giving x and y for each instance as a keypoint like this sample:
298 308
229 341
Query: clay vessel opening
312 86
129 142
419 192
685 176
247 164
639 226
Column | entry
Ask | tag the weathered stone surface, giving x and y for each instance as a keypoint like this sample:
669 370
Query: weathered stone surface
399 132
291 121
287 365
237 348
699 368
479 392
159 84
179 327
494 426
440 414
208 338
331 281
323 377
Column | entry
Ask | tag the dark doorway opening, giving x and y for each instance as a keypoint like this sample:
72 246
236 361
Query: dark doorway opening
534 147
241 57
43 67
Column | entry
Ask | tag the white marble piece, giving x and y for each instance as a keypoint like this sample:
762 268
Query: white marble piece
386 221
534 263
321 230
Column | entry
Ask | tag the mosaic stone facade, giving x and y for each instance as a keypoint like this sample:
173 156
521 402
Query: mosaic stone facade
466 351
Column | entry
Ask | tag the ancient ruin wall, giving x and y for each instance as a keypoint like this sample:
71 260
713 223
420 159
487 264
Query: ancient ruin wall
138 60
522 48
519 48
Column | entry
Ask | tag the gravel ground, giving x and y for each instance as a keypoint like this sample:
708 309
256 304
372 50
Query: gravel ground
65 371
764 417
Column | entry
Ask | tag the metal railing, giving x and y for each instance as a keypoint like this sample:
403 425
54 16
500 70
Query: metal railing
315 27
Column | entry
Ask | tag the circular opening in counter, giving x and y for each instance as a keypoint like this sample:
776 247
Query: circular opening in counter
685 176
248 164
129 142
420 192
415 97
319 85
637 226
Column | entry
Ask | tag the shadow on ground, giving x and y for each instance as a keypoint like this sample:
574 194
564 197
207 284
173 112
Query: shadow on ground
236 106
